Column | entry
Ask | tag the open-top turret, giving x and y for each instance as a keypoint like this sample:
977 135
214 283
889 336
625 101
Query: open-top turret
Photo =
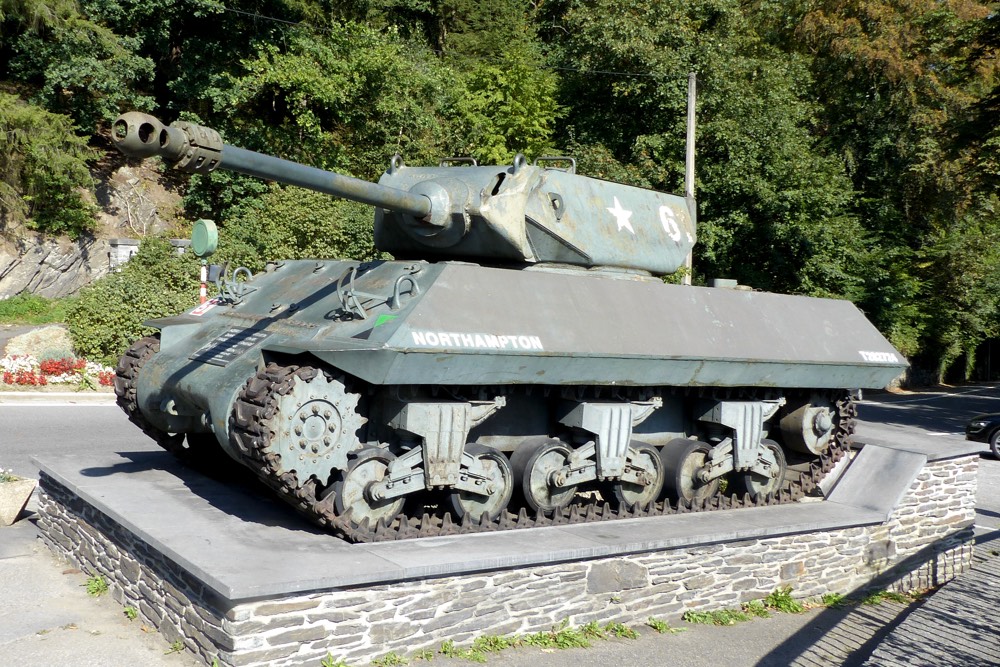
485 393
519 214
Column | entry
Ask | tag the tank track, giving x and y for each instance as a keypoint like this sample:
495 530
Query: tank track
257 402
125 373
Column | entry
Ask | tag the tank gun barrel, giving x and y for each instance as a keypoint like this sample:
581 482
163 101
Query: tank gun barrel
199 149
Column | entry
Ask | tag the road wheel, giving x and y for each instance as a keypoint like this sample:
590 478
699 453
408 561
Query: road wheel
995 443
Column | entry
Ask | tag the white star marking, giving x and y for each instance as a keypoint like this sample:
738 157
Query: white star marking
621 216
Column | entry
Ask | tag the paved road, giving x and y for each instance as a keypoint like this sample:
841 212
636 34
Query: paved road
47 618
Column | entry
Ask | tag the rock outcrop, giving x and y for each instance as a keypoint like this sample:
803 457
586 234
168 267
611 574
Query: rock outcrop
52 267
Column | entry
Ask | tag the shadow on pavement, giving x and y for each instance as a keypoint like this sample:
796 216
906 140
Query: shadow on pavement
848 636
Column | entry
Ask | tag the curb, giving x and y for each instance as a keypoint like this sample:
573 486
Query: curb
56 397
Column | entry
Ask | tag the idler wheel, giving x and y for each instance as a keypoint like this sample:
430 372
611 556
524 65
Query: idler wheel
683 460
498 487
622 494
352 493
757 485
536 464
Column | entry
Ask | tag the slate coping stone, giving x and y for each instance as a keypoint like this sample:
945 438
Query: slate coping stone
213 530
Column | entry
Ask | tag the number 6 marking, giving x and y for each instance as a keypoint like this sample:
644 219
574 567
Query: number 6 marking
669 220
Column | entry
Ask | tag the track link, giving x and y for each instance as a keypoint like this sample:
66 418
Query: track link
257 403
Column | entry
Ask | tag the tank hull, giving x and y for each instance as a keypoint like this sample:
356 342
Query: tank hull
398 378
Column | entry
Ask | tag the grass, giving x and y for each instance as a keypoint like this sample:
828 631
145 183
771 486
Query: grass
28 309
96 586
561 636
662 627
718 617
878 597
781 599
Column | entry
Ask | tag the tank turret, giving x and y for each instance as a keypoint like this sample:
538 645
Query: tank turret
520 214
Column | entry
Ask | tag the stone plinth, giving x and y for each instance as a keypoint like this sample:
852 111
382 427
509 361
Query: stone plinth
239 579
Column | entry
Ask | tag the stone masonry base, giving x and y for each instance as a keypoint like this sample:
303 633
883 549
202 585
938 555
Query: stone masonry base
926 541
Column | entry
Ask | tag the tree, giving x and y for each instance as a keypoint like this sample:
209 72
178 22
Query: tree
899 78
773 208
76 66
43 171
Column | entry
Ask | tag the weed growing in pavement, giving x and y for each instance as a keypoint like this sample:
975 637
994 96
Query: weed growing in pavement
720 617
780 599
96 586
592 630
662 627
878 597
328 661
561 636
756 608
131 613
390 659
176 647
834 600
8 475
621 631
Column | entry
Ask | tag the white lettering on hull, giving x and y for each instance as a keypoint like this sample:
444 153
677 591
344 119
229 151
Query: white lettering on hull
476 341
879 357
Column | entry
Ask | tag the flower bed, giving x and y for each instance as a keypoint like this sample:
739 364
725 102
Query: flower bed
27 371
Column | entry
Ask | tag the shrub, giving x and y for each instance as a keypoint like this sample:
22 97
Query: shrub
110 313
292 223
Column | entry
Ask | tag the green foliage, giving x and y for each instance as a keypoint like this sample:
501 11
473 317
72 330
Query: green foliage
328 661
292 223
620 630
895 79
25 308
83 69
661 626
156 282
131 613
878 597
344 100
758 608
773 208
390 659
781 599
43 170
562 637
719 617
96 586
508 108
833 600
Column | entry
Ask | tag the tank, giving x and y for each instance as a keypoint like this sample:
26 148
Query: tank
520 362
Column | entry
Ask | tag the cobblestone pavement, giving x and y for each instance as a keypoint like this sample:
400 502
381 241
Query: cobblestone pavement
955 627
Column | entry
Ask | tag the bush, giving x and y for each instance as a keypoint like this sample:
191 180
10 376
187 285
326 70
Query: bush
293 223
156 282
